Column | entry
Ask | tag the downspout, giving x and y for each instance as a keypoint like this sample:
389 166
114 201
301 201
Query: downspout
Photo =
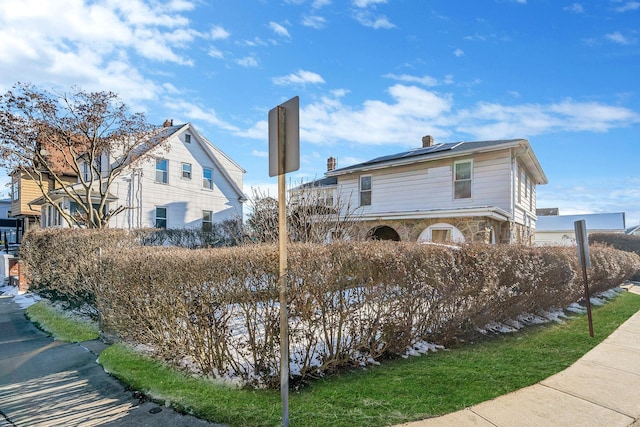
513 195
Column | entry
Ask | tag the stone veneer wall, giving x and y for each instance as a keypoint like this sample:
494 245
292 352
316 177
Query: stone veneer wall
474 229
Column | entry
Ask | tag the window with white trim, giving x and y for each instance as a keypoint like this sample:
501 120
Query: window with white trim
15 190
207 220
207 179
530 195
365 190
162 171
462 176
161 217
186 170
187 138
441 235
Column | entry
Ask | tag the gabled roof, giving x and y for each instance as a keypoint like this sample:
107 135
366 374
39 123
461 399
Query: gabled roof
633 230
166 132
449 150
330 181
595 222
213 152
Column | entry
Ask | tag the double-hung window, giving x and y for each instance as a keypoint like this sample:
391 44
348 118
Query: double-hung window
207 220
15 190
462 174
207 179
365 190
161 217
162 171
186 170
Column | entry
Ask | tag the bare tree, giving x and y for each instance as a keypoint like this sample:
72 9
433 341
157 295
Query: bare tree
262 219
89 135
315 214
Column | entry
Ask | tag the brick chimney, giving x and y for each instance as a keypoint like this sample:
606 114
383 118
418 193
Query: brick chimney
331 163
167 123
427 141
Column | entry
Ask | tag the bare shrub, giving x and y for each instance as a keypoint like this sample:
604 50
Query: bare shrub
216 311
62 264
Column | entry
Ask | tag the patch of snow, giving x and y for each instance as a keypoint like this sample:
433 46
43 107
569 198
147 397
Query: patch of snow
496 328
531 319
23 299
554 316
577 308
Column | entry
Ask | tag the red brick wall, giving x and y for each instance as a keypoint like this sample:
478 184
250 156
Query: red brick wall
16 270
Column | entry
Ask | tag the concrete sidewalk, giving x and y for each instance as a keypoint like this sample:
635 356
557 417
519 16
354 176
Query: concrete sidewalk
600 389
52 383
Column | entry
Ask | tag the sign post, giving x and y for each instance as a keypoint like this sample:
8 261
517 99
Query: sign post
284 156
585 262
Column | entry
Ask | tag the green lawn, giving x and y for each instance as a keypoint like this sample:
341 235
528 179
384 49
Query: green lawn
394 392
59 325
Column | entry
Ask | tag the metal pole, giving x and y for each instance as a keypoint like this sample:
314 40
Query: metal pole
282 236
587 297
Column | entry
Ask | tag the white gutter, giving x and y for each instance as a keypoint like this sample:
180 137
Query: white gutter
485 211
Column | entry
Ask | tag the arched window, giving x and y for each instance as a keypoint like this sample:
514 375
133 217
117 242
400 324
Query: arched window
383 232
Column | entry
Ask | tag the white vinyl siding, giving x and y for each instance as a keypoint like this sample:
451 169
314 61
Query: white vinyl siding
429 186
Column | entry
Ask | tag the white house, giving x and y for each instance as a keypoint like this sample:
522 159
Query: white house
463 191
559 229
191 184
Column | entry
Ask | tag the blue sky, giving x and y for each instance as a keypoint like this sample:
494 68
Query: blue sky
373 77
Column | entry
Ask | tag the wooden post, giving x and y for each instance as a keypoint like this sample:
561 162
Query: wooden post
282 238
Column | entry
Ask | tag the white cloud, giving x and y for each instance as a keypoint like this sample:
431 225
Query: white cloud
458 53
190 110
317 4
575 8
376 22
619 38
257 153
630 5
215 53
247 61
495 121
413 111
301 77
367 3
423 80
219 33
314 21
279 29
91 44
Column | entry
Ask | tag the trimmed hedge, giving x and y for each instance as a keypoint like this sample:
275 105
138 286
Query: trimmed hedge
216 311
623 242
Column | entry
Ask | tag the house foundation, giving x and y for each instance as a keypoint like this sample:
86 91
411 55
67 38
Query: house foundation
472 230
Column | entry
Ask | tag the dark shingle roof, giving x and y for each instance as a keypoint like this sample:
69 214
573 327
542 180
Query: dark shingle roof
426 152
